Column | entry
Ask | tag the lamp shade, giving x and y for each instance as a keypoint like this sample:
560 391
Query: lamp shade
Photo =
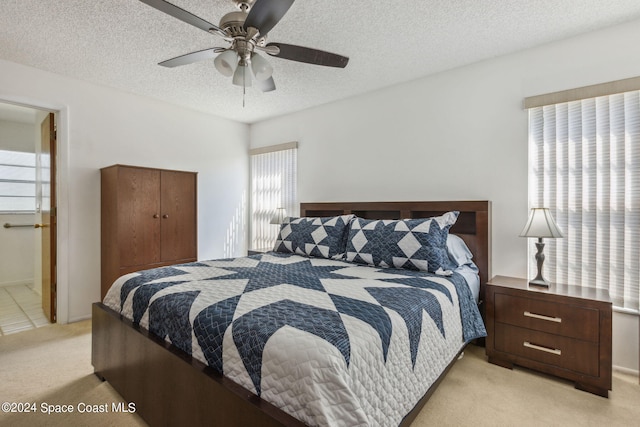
278 217
541 224
226 63
242 76
261 67
266 85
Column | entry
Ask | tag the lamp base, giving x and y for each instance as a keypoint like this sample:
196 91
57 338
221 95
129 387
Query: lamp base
538 281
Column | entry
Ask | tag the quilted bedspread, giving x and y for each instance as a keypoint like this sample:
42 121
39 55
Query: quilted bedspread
329 342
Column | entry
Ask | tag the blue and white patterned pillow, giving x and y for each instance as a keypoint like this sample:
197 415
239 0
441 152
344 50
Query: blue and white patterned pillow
317 237
414 244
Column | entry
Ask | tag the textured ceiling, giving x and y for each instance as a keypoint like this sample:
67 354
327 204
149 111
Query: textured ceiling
118 43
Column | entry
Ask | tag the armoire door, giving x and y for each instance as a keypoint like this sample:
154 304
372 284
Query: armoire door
179 215
139 216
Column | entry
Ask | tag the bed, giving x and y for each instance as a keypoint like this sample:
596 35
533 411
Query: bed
174 378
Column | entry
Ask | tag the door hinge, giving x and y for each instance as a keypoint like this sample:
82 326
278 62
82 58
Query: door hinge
55 131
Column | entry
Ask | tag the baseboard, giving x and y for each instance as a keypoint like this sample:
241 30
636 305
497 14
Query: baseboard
626 371
28 282
79 318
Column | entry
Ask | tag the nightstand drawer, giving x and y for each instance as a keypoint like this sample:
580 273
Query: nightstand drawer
575 355
567 320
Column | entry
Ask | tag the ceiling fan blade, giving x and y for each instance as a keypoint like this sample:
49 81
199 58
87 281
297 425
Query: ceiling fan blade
183 15
192 57
265 14
308 55
266 85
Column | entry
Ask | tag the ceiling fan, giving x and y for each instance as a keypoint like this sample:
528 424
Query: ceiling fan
246 32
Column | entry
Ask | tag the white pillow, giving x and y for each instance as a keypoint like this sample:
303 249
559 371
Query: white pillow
459 253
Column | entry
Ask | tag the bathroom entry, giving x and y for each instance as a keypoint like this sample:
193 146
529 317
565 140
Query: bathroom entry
28 218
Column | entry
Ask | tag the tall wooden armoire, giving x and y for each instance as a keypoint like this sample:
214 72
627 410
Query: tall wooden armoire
149 219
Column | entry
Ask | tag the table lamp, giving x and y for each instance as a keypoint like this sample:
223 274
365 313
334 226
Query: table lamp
278 217
540 224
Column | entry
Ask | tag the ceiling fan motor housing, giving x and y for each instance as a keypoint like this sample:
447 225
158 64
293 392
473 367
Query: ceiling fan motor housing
233 24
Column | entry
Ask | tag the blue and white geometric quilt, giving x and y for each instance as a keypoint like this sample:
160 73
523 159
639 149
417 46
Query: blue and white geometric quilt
330 342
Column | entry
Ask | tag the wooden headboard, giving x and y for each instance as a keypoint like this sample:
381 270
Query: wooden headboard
473 224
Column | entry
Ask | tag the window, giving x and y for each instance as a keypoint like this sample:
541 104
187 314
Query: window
584 158
273 186
17 182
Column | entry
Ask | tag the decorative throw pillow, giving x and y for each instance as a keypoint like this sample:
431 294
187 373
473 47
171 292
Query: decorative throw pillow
414 244
317 237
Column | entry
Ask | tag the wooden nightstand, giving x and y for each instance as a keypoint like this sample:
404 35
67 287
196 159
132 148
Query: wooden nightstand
561 330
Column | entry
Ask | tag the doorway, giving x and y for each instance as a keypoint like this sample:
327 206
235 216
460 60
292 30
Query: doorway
28 215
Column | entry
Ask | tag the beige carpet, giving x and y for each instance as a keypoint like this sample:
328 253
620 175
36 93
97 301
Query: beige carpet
52 365
478 393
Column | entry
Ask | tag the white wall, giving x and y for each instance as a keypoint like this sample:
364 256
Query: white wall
17 136
16 250
461 135
98 127
16 244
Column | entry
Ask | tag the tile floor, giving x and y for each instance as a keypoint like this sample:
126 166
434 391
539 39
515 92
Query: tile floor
20 309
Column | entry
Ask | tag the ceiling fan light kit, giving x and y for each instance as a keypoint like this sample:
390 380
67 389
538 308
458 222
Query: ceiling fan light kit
260 67
226 63
246 30
242 76
266 85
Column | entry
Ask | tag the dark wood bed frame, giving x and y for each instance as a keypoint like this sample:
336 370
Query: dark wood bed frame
171 388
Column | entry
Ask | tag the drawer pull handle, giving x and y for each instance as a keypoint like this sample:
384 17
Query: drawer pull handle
541 317
545 349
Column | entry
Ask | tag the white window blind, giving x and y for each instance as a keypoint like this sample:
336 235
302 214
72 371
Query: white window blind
17 182
585 166
273 186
